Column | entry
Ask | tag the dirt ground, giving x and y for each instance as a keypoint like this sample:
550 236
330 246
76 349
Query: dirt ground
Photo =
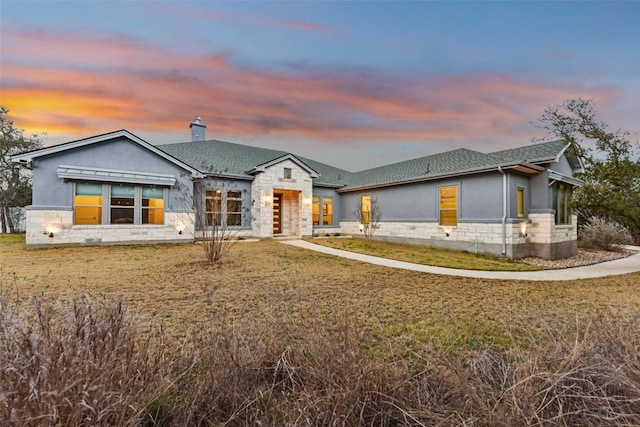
270 282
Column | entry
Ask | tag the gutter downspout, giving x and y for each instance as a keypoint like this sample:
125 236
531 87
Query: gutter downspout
504 211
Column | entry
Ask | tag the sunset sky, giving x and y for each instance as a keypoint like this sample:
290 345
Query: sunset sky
353 84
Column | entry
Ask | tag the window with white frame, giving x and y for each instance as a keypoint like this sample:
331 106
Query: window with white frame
223 208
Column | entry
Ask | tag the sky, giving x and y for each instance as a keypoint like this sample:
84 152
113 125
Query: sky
355 84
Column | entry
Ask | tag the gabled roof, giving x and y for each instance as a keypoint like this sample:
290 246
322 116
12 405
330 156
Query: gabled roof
265 165
239 161
27 157
242 161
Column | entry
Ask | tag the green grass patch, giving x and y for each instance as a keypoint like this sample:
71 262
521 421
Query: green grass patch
426 255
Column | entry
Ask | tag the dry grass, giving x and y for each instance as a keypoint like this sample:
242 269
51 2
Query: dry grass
281 336
425 255
90 365
172 284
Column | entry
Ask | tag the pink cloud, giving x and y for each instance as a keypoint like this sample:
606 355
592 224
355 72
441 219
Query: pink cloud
251 20
85 85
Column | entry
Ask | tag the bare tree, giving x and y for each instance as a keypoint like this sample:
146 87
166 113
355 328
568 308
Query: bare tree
368 214
216 216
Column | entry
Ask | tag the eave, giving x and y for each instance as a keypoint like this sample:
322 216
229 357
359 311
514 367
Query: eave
521 167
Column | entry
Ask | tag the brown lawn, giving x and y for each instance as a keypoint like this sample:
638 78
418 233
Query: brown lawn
269 282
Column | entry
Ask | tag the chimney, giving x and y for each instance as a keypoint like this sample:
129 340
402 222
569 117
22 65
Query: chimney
197 129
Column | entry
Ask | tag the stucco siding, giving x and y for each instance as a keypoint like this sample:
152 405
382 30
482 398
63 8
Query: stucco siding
117 154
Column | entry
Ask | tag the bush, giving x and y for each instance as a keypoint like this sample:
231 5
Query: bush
84 365
600 233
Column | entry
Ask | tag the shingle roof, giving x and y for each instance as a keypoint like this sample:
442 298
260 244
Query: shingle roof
541 152
436 164
213 156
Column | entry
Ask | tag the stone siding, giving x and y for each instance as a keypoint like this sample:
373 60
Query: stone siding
296 207
58 223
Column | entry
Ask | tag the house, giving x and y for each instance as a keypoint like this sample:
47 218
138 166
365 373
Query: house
116 188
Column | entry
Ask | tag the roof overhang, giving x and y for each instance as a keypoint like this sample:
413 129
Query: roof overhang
555 176
576 163
521 167
83 173
28 157
263 167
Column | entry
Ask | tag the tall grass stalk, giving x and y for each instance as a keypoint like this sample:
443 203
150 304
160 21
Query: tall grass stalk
92 363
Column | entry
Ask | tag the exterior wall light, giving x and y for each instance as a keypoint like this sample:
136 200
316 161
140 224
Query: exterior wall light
523 229
361 226
50 229
447 231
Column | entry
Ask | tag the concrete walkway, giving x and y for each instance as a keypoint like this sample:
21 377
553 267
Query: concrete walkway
626 265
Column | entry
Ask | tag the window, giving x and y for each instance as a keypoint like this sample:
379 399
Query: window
125 204
122 204
562 202
219 205
287 173
152 205
234 208
365 205
213 207
88 203
315 207
520 203
449 205
324 216
327 210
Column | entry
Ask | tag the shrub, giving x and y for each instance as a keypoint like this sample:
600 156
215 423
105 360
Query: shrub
600 233
84 365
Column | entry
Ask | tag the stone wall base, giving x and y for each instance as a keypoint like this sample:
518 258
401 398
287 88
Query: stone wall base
557 250
54 227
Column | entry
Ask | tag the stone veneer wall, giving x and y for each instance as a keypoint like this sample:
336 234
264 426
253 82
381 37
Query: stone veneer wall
262 198
543 239
481 238
551 241
41 222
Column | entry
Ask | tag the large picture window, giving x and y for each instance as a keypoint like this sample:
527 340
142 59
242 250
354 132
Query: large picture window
449 205
125 204
562 202
227 206
88 203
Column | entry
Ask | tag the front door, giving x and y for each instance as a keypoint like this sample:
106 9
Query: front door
277 213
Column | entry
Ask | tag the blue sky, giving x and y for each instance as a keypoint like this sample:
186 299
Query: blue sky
354 84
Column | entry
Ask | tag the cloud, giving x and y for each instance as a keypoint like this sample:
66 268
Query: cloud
253 20
78 85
